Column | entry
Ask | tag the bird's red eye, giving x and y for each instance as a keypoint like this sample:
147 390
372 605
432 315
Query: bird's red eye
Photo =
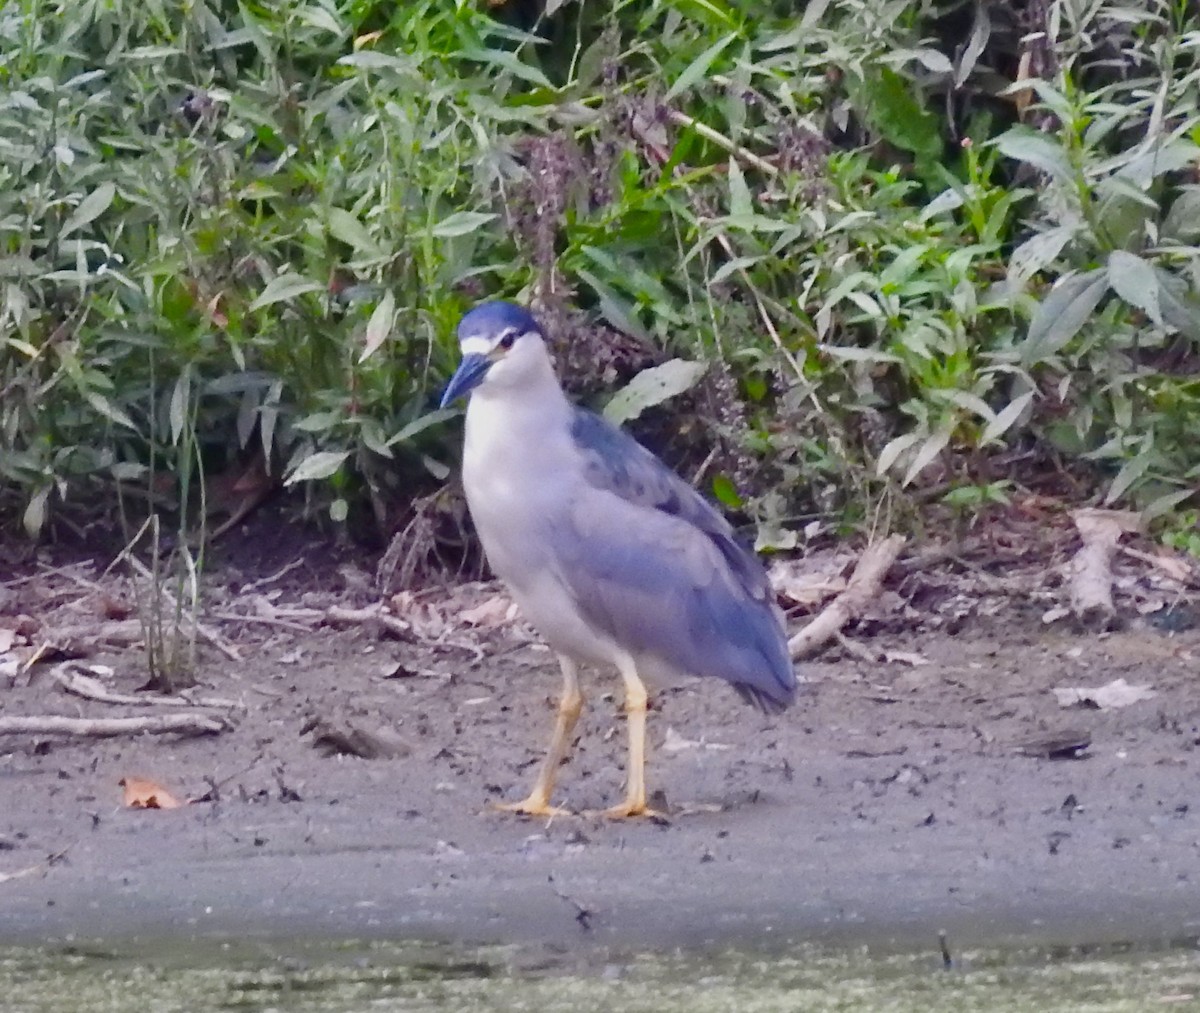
506 342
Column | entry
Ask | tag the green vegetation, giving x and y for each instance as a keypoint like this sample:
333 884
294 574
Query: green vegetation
922 246
315 976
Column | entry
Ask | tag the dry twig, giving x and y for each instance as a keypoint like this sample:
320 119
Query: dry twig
81 684
31 870
205 633
371 615
156 724
864 585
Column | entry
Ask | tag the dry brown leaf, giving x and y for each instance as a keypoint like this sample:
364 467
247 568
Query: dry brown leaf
141 793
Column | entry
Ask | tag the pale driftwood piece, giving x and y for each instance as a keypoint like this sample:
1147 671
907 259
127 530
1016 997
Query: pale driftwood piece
154 724
81 684
864 585
1091 569
209 636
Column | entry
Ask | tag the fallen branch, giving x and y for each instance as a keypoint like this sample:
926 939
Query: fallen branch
90 639
304 619
864 585
81 684
371 615
157 724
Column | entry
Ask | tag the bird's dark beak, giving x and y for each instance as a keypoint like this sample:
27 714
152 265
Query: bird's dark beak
467 377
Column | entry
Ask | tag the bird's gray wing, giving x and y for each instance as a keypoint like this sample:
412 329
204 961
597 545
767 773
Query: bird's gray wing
655 565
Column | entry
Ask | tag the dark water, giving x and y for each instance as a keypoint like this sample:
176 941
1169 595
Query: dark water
327 977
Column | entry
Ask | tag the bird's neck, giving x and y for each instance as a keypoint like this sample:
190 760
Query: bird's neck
523 416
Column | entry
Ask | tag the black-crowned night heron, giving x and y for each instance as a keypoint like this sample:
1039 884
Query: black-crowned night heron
609 554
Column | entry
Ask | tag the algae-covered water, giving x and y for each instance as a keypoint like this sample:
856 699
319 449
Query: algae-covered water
330 978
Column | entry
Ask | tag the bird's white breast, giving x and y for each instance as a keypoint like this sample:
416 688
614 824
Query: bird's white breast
519 467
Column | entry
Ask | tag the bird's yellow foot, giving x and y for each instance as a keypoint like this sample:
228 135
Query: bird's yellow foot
535 805
630 809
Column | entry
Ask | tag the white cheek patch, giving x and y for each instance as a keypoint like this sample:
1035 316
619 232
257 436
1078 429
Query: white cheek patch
476 346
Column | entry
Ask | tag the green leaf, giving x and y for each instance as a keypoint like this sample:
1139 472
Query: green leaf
379 326
1166 503
981 30
318 465
435 468
616 310
726 492
1130 472
898 116
318 422
698 68
370 59
108 409
1179 303
1134 280
371 434
947 200
422 423
814 10
1159 160
893 449
461 223
181 398
247 417
930 449
713 13
740 203
1038 150
1036 253
268 416
509 62
282 288
346 227
1182 223
931 59
1006 418
90 208
1061 315
155 53
35 511
652 387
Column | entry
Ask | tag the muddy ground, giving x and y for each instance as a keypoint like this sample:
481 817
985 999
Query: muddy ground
898 798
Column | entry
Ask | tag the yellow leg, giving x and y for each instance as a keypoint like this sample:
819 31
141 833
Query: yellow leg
570 706
635 774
